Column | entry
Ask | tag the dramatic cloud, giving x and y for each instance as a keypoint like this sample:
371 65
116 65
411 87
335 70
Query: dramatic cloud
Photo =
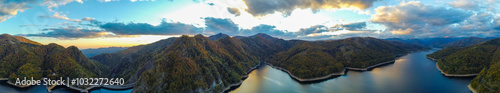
164 28
415 18
234 11
264 7
71 33
220 25
57 15
482 24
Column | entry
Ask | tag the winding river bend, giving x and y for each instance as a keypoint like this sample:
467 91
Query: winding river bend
412 73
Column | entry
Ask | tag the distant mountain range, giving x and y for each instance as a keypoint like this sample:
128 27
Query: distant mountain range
95 51
443 42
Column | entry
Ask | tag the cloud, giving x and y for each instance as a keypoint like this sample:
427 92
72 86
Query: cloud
56 3
481 24
359 26
130 0
476 5
234 11
321 32
88 19
264 7
267 29
313 29
108 0
351 26
71 32
465 4
227 26
92 21
220 25
141 0
164 28
416 18
10 8
497 23
58 15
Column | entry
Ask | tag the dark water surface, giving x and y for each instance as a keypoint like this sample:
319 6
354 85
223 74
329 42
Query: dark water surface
412 73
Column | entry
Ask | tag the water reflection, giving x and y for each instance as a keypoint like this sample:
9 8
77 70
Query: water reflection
412 73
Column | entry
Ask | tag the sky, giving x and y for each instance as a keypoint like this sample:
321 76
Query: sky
124 23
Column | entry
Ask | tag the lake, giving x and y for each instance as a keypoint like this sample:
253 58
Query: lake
412 73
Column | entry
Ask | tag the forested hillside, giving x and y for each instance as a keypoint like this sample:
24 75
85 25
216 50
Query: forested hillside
465 42
488 80
131 62
453 47
315 59
468 60
20 57
197 64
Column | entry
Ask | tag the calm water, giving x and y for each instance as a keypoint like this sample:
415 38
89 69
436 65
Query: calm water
412 73
6 88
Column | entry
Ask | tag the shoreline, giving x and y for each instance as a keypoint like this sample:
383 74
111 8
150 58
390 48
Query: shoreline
4 78
116 87
431 58
20 86
379 64
450 75
231 86
49 88
302 80
472 89
370 67
454 75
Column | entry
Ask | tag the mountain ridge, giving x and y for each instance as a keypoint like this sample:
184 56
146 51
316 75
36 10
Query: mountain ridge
203 64
221 49
31 59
